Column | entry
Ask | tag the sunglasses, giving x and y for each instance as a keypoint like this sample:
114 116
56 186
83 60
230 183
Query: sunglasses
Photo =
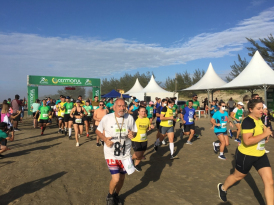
222 106
101 105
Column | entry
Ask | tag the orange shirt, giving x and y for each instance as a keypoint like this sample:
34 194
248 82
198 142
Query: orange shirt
99 113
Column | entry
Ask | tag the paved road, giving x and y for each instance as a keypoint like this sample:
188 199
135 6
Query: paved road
49 170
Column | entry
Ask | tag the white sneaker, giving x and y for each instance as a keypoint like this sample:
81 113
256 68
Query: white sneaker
79 135
163 142
266 151
77 144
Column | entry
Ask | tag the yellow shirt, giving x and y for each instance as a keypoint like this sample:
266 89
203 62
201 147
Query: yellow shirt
167 112
81 104
61 112
256 127
142 126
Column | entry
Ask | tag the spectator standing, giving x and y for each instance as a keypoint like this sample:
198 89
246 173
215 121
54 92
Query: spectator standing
231 105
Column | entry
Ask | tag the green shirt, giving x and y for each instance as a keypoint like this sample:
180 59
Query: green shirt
68 106
196 104
3 135
238 113
110 105
88 109
44 112
174 109
149 111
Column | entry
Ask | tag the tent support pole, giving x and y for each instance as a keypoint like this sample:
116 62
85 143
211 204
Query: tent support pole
265 94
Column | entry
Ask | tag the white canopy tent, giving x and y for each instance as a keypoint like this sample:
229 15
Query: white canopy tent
153 90
256 74
136 88
210 81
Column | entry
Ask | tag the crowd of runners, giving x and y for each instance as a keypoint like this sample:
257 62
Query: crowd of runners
120 126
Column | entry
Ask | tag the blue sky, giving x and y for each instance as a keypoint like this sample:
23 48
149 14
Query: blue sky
108 38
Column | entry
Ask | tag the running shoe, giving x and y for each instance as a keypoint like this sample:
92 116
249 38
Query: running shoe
77 144
174 157
222 157
87 135
266 151
138 168
237 140
117 199
62 131
110 201
42 133
98 144
70 137
155 147
188 142
214 147
59 131
16 129
197 136
178 119
221 193
230 133
164 142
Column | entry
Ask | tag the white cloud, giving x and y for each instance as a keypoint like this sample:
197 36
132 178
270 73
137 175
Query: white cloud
32 54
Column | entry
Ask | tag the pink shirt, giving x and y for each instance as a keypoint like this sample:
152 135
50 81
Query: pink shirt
3 115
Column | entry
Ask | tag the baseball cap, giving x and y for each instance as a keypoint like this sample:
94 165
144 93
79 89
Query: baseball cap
67 97
151 103
194 95
136 100
78 101
240 103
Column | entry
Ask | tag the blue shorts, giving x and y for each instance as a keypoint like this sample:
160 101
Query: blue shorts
219 133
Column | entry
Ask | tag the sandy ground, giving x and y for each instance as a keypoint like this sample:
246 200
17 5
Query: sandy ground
49 170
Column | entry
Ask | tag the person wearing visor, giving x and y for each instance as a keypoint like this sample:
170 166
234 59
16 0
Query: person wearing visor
67 119
237 115
219 121
134 107
78 113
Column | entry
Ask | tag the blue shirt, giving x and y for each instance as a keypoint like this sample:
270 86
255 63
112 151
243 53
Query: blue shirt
157 105
215 108
188 115
220 118
159 109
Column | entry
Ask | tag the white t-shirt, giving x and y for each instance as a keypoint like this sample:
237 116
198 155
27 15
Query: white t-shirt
121 147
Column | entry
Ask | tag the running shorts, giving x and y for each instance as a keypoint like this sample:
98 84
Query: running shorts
95 128
164 130
187 128
61 118
17 118
87 118
139 146
37 116
235 122
158 124
115 166
43 121
245 162
67 118
219 133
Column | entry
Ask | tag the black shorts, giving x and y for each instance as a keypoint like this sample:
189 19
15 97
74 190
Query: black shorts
87 118
158 125
43 121
187 128
154 115
37 116
4 142
67 118
245 162
60 118
139 146
17 118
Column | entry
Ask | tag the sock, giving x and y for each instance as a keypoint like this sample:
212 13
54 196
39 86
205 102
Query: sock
171 147
69 131
221 153
157 142
65 129
217 144
59 129
43 129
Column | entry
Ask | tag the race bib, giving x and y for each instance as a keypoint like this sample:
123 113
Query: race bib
170 122
151 111
78 120
174 114
117 130
45 115
190 119
51 107
95 107
88 113
261 144
223 125
240 118
62 114
69 111
143 136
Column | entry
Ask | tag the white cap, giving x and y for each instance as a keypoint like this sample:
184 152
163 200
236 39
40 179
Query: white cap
240 103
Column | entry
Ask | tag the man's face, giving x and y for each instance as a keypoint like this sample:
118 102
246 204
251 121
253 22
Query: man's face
80 98
120 107
111 101
256 97
195 98
96 99
67 100
63 99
